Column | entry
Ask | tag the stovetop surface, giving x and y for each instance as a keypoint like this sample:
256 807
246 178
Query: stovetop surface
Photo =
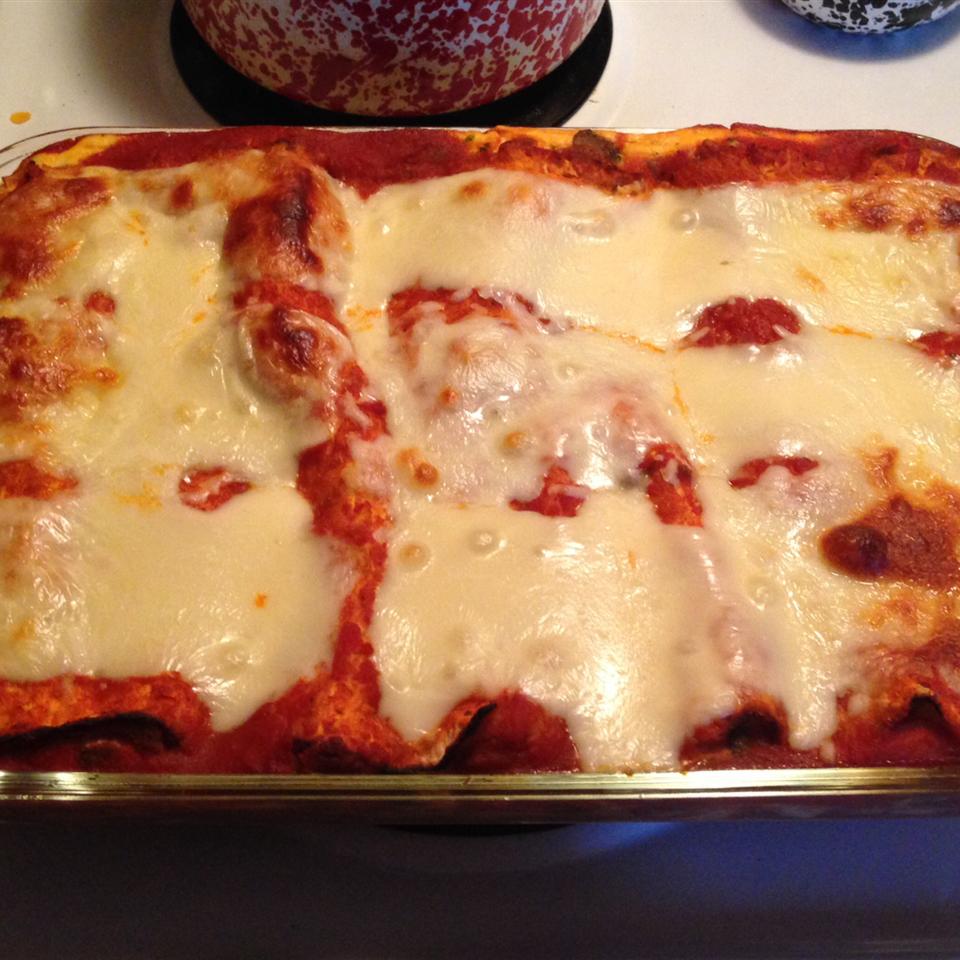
674 63
798 889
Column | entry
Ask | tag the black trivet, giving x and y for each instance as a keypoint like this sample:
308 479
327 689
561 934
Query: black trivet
231 99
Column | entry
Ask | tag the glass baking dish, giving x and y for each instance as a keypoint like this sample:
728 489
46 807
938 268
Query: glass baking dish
489 799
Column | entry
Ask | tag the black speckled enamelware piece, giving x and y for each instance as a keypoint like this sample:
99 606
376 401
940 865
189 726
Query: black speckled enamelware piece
872 16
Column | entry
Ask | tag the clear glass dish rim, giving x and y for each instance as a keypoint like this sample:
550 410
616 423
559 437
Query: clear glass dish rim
503 798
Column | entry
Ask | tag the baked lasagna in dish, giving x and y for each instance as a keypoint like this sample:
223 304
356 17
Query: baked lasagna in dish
480 452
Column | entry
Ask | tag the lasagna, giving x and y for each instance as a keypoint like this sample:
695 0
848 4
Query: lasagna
500 451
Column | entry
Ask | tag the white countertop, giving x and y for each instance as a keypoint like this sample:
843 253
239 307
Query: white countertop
674 63
681 62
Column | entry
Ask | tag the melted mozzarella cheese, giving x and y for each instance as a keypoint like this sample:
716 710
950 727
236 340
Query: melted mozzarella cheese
228 598
605 618
820 395
120 576
644 267
813 618
522 400
187 391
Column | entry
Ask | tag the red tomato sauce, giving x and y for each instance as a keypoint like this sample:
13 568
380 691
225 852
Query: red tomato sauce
371 160
753 154
100 302
750 472
559 496
23 478
403 310
740 321
942 345
367 160
207 489
516 736
671 487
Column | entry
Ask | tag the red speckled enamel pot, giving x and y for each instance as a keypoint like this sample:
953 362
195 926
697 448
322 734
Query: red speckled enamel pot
394 57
